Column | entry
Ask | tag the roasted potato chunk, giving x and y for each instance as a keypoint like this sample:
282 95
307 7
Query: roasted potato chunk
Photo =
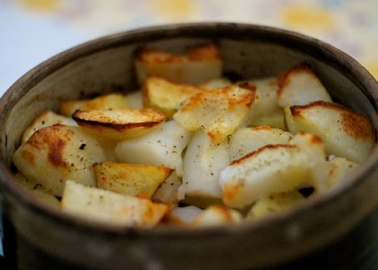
130 179
108 207
219 112
201 64
56 153
299 86
344 132
216 215
119 124
166 96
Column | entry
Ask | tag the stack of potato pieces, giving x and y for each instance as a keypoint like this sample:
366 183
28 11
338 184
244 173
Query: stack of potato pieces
192 148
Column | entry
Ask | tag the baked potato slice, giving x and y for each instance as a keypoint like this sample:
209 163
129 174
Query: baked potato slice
217 215
130 179
119 124
107 207
106 101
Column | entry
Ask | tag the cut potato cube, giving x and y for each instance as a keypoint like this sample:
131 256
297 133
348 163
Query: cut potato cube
45 119
167 192
201 64
274 203
340 170
166 96
37 191
299 86
162 147
275 120
108 207
217 215
246 140
345 133
107 101
270 169
183 216
119 124
130 179
219 112
56 153
202 163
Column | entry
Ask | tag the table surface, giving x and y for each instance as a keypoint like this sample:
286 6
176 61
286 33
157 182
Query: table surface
34 30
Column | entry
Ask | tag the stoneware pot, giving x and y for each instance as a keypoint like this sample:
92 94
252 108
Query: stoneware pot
338 230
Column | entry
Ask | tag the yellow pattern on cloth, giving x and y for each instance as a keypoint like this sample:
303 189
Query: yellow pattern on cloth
41 5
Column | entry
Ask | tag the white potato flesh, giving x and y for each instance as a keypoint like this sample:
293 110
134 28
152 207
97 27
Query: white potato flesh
56 153
274 203
275 120
45 119
183 216
108 207
162 147
340 170
203 160
300 86
219 112
246 140
344 132
270 169
216 83
167 192
119 124
217 215
201 64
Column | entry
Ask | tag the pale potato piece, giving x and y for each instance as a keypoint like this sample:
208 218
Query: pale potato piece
313 147
340 170
183 216
106 101
201 64
270 169
37 191
275 120
119 124
299 86
46 118
246 140
219 112
167 192
130 179
134 100
215 83
162 147
217 215
265 103
108 207
56 153
202 163
345 133
274 203
166 96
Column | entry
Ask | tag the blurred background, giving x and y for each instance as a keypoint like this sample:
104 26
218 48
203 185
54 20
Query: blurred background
34 30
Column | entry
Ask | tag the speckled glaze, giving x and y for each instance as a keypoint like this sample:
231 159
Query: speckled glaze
338 230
